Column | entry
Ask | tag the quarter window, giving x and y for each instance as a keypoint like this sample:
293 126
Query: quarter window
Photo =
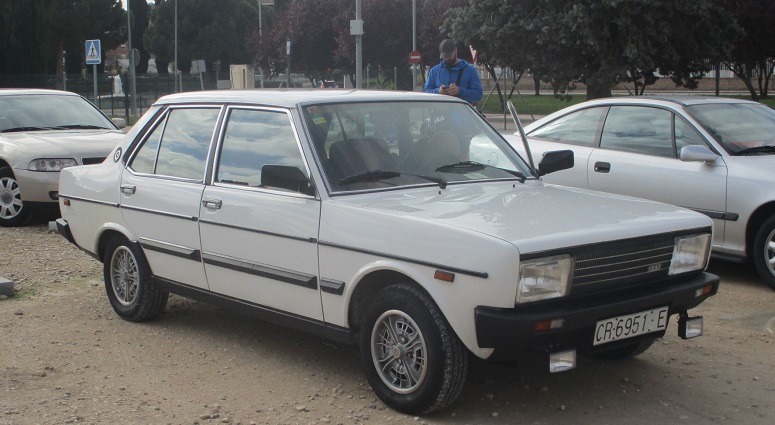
253 140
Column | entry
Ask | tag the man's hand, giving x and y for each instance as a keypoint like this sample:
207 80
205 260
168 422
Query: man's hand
453 90
443 89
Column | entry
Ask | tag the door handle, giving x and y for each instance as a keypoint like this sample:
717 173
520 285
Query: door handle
602 167
214 204
128 190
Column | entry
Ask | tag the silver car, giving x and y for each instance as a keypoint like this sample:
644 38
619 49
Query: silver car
712 155
42 132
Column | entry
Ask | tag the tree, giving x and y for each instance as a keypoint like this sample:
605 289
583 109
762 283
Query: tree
599 42
39 31
139 10
753 56
204 31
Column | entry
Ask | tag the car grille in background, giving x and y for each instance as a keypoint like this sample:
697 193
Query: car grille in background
89 161
624 263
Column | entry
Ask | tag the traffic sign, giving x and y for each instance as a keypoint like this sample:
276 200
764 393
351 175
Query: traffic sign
93 52
415 57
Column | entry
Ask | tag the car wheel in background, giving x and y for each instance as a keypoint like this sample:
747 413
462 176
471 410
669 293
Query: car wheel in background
413 360
764 252
133 294
12 210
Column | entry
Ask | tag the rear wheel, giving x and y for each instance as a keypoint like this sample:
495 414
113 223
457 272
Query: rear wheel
413 360
13 212
764 252
133 294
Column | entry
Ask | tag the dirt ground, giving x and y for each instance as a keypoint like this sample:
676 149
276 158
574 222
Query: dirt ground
67 358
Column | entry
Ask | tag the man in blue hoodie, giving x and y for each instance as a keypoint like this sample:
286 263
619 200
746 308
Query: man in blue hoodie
454 76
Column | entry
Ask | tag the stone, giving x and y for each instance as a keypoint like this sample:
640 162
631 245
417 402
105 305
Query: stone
6 287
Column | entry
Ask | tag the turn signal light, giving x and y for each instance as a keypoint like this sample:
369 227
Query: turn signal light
705 290
548 325
445 276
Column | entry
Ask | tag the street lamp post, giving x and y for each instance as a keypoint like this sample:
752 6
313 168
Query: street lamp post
414 43
130 54
175 69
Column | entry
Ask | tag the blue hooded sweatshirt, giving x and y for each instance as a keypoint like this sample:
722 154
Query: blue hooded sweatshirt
470 86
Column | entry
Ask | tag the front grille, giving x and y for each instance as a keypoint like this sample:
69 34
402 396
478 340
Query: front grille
89 161
623 263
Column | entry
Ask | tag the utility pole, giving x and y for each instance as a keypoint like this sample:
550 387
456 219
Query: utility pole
356 29
414 43
175 69
130 54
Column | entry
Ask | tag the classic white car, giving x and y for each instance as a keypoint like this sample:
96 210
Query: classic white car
41 132
712 155
292 206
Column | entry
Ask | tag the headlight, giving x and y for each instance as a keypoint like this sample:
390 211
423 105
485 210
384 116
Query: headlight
544 278
690 253
51 164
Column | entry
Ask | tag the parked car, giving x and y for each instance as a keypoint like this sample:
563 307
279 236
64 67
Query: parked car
42 132
712 155
290 205
328 84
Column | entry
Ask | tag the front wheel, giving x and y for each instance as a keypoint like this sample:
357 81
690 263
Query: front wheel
13 212
764 252
133 294
412 358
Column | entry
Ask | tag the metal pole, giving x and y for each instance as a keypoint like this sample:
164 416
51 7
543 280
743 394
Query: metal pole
64 70
414 42
132 90
96 99
358 50
260 41
175 68
288 63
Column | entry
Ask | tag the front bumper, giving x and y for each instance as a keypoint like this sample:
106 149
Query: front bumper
38 186
512 331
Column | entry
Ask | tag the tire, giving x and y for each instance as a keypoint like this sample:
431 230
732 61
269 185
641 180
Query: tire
403 330
133 294
625 351
13 212
764 252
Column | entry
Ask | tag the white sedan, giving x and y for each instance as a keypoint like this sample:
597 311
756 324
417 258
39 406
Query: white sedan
42 132
401 222
712 155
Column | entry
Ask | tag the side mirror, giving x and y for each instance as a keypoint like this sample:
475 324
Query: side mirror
555 161
697 153
286 177
120 122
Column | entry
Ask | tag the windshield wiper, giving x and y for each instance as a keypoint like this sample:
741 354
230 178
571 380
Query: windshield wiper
376 175
466 166
15 129
755 150
372 175
79 127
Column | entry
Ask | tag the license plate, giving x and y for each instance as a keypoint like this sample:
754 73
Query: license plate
631 325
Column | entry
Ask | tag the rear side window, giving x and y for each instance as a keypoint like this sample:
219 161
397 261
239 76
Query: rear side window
577 128
178 146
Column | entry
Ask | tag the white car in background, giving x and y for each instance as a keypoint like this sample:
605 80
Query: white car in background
42 132
712 155
291 205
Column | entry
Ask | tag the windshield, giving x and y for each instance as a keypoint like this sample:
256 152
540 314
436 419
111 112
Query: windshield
366 146
738 127
49 111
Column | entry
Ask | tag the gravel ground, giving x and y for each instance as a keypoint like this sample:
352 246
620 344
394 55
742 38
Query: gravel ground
67 358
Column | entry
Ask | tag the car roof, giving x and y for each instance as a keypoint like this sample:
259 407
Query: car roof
683 100
17 92
291 98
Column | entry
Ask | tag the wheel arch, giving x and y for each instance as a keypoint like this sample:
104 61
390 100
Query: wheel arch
108 233
370 284
758 217
4 163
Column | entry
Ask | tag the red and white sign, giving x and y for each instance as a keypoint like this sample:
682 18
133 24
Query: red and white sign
415 57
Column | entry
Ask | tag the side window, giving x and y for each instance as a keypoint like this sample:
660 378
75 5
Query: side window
255 143
184 144
686 135
638 129
577 128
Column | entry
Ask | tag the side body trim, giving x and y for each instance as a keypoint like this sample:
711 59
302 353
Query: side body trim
287 276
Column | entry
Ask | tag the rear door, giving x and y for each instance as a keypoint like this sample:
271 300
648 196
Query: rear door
161 190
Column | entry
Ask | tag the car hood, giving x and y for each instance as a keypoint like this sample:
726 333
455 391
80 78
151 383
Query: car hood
534 216
75 143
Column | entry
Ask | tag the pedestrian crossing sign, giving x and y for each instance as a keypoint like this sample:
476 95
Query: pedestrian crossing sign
93 52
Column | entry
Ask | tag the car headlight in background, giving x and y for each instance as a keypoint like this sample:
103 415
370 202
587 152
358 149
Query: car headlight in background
51 164
544 278
690 253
